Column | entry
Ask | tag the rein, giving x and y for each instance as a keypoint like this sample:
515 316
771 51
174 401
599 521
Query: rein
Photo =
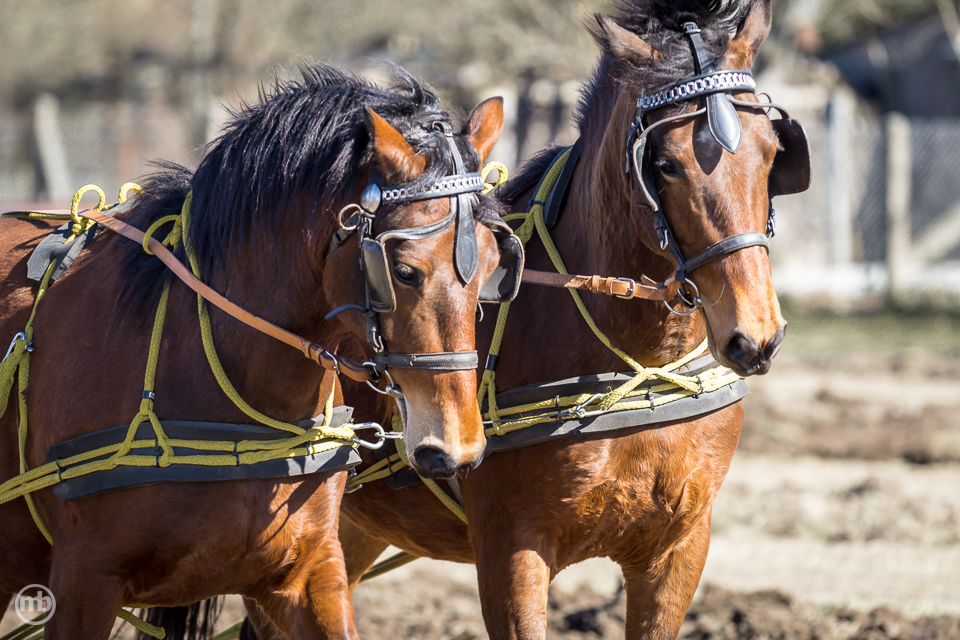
353 369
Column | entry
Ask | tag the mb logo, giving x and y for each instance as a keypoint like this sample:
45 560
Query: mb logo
35 604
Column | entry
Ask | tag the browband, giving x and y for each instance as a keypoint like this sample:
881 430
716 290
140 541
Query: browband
721 81
445 187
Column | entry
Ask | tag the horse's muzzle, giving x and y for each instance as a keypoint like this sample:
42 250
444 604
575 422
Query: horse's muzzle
433 463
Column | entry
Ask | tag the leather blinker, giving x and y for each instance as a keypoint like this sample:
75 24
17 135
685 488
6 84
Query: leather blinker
504 282
644 174
791 166
376 266
722 116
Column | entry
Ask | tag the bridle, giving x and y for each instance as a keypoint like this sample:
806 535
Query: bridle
461 189
790 173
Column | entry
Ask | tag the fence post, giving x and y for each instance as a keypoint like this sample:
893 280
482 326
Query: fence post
840 180
50 145
899 195
202 22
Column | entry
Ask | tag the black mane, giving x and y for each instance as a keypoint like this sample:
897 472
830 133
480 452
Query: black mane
304 143
658 23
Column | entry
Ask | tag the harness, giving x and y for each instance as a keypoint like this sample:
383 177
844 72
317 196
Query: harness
647 396
461 188
790 172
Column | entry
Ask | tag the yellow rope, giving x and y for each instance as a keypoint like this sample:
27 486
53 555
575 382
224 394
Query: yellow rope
302 441
142 625
502 176
82 224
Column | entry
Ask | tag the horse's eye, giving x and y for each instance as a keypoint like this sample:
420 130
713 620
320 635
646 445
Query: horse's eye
407 274
668 168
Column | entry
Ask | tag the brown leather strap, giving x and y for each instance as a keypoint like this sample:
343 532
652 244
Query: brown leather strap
620 287
351 368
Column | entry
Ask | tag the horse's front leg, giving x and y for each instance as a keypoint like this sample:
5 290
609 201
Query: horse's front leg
513 578
87 590
315 603
659 590
360 551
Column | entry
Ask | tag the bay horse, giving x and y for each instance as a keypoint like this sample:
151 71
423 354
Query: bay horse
264 232
641 496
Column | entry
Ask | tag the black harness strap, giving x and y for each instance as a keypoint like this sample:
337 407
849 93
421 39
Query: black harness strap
336 459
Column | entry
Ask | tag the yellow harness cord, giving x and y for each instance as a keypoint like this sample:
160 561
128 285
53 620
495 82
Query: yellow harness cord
685 385
302 441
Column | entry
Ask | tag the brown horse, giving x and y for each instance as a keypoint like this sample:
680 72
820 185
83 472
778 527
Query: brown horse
642 497
264 205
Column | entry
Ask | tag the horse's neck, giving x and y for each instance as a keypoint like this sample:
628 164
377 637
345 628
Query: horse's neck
271 376
602 232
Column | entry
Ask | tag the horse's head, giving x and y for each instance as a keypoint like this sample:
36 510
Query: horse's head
426 259
704 165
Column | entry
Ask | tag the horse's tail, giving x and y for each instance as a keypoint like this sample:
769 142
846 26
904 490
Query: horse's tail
192 622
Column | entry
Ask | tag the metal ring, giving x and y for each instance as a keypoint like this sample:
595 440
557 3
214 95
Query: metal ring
381 435
693 304
392 390
353 208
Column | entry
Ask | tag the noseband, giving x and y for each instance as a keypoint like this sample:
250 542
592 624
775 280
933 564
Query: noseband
460 187
713 84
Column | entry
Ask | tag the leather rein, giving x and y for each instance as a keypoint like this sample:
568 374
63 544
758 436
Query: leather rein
354 369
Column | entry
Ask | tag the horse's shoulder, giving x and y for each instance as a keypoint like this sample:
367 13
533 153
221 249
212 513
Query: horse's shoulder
18 239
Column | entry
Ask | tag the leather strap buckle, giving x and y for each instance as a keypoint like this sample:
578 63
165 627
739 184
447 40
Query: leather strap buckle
633 289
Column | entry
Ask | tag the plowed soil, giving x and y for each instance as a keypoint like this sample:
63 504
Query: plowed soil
839 519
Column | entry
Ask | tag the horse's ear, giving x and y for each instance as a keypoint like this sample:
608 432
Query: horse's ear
623 43
396 159
751 34
484 126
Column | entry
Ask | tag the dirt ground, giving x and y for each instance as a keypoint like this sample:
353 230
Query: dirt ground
839 519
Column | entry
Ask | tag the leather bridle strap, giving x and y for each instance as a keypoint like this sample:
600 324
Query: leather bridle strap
353 369
726 246
445 361
620 287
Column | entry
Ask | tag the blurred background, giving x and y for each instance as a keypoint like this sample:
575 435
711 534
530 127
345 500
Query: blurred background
841 514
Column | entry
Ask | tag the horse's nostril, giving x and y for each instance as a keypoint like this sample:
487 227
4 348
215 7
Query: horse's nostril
742 351
773 347
432 462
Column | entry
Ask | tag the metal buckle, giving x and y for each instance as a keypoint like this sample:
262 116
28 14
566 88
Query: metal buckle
333 356
633 289
579 410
